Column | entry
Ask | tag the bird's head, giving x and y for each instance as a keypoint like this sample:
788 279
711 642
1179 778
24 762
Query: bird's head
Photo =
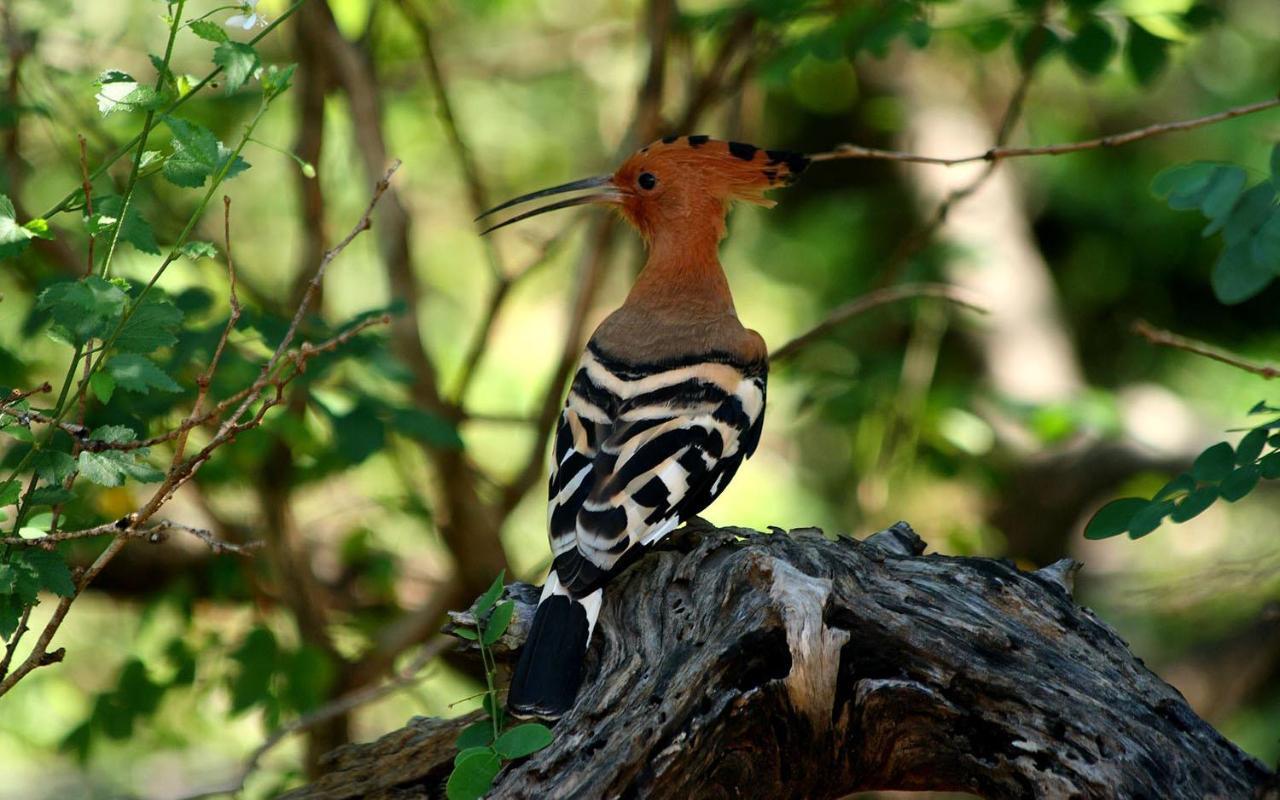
675 183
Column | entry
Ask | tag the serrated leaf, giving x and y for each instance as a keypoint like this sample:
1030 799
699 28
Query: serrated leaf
199 250
195 153
51 570
473 775
103 386
1239 483
491 595
523 740
209 31
1250 446
238 62
49 496
153 325
53 466
1214 464
1194 504
498 622
83 309
14 238
19 432
477 734
134 372
134 229
276 80
114 434
114 467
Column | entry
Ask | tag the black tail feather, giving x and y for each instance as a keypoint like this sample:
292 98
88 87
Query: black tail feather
549 671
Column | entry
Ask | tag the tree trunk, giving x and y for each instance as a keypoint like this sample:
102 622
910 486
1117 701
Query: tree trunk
732 663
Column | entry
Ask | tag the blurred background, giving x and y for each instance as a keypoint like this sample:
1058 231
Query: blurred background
403 473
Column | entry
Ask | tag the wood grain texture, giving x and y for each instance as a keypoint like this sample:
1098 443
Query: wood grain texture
736 664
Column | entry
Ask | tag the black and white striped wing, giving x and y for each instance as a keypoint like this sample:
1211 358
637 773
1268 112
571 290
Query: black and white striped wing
640 451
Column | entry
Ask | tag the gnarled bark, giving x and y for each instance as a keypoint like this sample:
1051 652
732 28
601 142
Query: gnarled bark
738 664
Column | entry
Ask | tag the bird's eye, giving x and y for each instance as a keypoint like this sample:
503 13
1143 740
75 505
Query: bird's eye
647 180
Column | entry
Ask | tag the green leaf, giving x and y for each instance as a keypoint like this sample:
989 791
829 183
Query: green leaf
51 570
103 386
135 230
209 31
1269 466
1195 503
238 61
84 309
1184 185
473 775
49 496
1250 446
309 676
1237 276
1148 519
1181 485
194 250
466 633
1093 46
989 34
10 492
522 740
134 372
498 622
277 80
426 427
491 595
256 660
53 467
1275 166
1249 213
1114 518
153 325
1201 16
1223 191
1264 250
1146 53
195 153
1214 464
114 467
477 734
13 236
1240 483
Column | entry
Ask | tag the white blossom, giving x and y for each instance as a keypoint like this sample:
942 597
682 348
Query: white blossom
248 17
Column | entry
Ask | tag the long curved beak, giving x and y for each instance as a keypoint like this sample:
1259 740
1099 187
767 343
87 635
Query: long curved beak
608 193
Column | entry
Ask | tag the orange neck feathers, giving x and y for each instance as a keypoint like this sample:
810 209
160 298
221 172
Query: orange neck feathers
682 273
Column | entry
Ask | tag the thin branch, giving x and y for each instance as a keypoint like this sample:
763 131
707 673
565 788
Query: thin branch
87 184
335 708
124 527
19 394
1164 338
844 151
875 299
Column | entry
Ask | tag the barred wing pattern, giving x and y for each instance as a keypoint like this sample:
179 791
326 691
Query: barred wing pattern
639 449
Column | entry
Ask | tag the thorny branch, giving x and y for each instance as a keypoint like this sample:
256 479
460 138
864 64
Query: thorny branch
1164 338
293 363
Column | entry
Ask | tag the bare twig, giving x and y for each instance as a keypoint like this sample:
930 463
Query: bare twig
1164 338
125 528
19 394
875 299
12 646
331 710
1000 153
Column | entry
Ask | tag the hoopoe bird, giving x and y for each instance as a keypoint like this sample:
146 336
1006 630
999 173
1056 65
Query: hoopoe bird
667 401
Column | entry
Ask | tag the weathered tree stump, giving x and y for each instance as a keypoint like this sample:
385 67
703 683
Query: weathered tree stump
731 663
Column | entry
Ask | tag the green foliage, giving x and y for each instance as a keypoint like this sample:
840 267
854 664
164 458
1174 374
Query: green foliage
484 745
1220 472
1248 220
15 237
197 154
238 62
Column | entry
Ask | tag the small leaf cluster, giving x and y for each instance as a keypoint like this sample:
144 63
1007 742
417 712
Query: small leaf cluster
1220 472
484 745
1247 217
